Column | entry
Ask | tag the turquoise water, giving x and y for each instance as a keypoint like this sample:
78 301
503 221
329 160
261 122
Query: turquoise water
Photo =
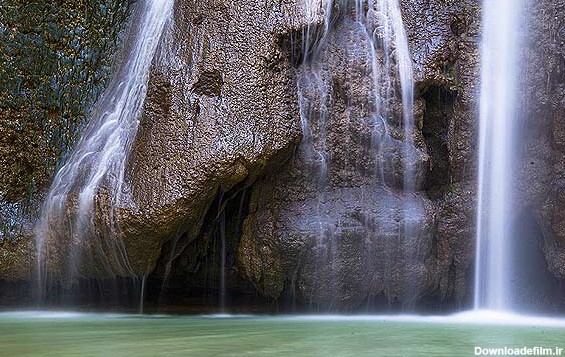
57 335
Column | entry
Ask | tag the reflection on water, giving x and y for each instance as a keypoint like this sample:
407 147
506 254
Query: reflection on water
75 334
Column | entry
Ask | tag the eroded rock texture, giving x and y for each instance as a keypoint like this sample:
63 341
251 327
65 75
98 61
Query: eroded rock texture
350 241
221 111
542 152
218 160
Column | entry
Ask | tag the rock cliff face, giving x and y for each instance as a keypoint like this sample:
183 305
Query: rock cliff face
221 111
221 158
542 151
351 242
55 60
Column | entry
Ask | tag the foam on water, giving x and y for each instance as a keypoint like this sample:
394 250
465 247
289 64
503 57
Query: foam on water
228 316
474 317
471 317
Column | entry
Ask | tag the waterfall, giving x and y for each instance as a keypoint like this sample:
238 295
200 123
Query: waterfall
142 294
93 175
382 26
499 66
393 23
377 48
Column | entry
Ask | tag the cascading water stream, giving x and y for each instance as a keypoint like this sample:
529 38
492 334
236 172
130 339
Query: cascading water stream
376 37
142 294
97 165
377 17
500 44
394 27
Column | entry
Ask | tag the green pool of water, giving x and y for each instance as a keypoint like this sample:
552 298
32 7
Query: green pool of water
114 335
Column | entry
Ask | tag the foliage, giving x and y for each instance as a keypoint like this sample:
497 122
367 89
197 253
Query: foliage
56 58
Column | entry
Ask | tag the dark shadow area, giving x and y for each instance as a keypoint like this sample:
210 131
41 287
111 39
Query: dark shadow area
437 116
15 294
204 277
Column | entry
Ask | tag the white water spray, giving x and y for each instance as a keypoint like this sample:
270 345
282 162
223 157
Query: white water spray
499 70
97 164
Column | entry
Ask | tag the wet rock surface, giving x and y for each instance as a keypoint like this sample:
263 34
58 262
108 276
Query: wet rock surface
218 157
350 243
542 151
221 111
55 60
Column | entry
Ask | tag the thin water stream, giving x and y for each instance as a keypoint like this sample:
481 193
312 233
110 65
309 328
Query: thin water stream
93 175
372 33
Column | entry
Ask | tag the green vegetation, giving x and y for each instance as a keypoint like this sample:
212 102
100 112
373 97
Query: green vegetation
55 60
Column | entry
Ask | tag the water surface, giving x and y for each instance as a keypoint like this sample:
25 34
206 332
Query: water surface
70 334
